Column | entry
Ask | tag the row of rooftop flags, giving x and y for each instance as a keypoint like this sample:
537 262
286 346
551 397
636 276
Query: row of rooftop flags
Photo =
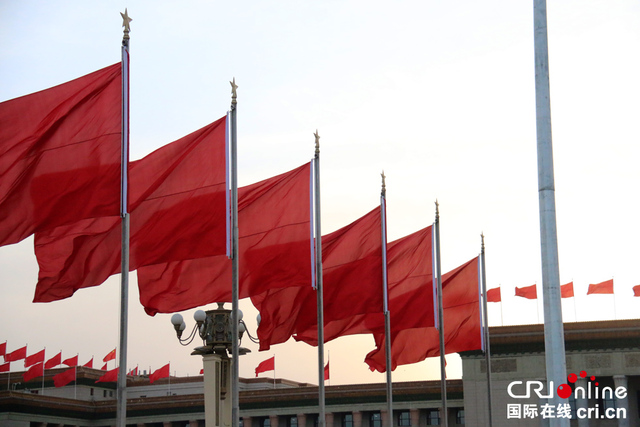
566 291
36 365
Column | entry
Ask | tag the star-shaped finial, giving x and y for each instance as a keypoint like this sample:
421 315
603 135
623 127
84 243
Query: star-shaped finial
234 94
317 141
126 20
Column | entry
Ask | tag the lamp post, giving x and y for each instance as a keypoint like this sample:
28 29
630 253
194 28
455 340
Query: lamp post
215 329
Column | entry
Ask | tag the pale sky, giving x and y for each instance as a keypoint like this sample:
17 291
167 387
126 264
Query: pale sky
438 94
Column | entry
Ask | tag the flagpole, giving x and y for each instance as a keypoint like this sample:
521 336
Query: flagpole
43 360
487 343
385 302
121 408
319 297
443 375
235 287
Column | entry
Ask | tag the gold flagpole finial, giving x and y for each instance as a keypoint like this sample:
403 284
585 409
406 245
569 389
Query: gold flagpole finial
126 23
317 142
384 185
234 94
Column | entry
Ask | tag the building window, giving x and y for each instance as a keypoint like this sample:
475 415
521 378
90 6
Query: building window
572 404
91 391
240 422
433 417
104 393
460 416
608 402
404 418
266 422
347 420
375 420
292 421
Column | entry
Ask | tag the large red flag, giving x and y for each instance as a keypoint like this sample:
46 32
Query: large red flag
110 377
159 373
566 291
18 354
273 250
60 155
168 189
5 367
605 287
352 280
461 324
72 361
64 377
528 292
33 372
636 291
34 358
110 356
54 361
3 349
266 365
493 295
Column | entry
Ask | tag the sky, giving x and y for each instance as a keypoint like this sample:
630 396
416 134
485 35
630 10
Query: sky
439 95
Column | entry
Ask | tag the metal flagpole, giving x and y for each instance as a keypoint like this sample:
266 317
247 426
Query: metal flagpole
121 408
319 297
235 291
385 302
487 343
443 374
553 327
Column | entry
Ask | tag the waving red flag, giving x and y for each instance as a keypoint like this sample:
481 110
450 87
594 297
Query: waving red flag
566 291
89 364
60 155
5 367
3 349
266 365
605 287
18 354
54 361
159 373
34 358
528 292
73 361
493 295
110 377
110 356
167 189
636 291
64 377
326 371
33 372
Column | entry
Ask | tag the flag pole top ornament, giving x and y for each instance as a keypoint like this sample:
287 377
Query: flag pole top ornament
234 94
384 185
125 23
317 142
437 211
482 242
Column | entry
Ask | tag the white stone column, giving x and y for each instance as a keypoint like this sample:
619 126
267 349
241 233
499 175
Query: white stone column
328 419
357 419
582 402
415 417
620 381
217 390
273 420
302 420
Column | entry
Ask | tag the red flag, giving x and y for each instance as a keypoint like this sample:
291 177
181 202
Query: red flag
605 287
89 364
273 250
6 367
54 361
326 371
60 157
134 371
461 324
18 354
110 356
169 189
3 349
34 372
65 377
109 377
34 358
352 279
266 365
566 291
159 373
73 361
528 292
493 295
636 291
201 371
104 367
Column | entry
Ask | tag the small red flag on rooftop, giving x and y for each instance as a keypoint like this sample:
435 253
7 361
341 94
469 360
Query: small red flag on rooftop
636 291
605 287
34 358
566 291
267 365
159 373
493 295
54 361
528 292
110 356
65 377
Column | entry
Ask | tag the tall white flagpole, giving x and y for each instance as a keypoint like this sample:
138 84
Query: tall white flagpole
553 327
121 406
443 375
319 296
487 343
385 302
235 288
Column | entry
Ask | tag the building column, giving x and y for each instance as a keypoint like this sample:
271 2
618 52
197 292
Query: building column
415 417
582 402
193 423
273 420
166 424
247 421
384 419
621 381
329 419
357 418
141 424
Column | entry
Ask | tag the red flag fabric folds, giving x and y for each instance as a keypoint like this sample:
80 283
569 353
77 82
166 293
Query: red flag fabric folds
72 361
54 361
605 287
461 324
566 291
34 358
110 377
159 373
89 364
5 367
528 292
64 378
60 155
273 250
352 280
104 367
110 356
18 354
493 295
266 365
34 372
3 349
636 291
168 189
